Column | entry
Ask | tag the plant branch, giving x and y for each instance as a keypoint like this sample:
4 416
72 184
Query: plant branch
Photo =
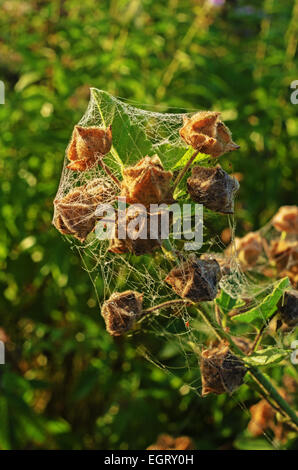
109 172
260 334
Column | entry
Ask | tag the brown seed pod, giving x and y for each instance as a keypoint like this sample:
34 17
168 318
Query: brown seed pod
223 261
121 311
205 132
195 279
284 253
288 307
87 145
286 219
214 188
248 249
147 182
292 274
137 246
221 371
75 212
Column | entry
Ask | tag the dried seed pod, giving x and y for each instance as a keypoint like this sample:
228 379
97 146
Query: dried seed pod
286 219
87 145
284 253
292 274
205 132
147 182
121 311
288 307
214 188
75 212
221 371
195 279
137 246
223 261
248 248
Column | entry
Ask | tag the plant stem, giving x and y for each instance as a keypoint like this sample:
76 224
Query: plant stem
184 170
260 334
274 394
109 172
218 314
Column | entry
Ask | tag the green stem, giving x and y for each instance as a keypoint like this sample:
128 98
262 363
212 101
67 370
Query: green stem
254 371
259 336
184 170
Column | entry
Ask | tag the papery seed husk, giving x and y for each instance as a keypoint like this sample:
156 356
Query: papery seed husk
221 371
288 307
121 311
147 183
214 188
195 279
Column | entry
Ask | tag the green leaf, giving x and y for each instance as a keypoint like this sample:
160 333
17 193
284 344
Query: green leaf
186 156
130 142
227 303
267 306
269 356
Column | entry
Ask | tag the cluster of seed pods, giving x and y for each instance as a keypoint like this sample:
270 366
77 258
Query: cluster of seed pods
147 182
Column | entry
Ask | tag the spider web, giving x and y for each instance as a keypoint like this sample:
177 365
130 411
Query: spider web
170 338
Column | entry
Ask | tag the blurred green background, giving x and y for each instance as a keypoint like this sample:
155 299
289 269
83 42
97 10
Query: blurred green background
67 384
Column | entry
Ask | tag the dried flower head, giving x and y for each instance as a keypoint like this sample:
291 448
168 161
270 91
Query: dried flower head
87 145
288 307
75 212
248 248
286 219
214 188
166 442
223 261
292 274
121 311
221 371
147 182
137 226
284 253
205 132
195 279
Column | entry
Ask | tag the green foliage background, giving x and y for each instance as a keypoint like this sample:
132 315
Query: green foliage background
67 384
